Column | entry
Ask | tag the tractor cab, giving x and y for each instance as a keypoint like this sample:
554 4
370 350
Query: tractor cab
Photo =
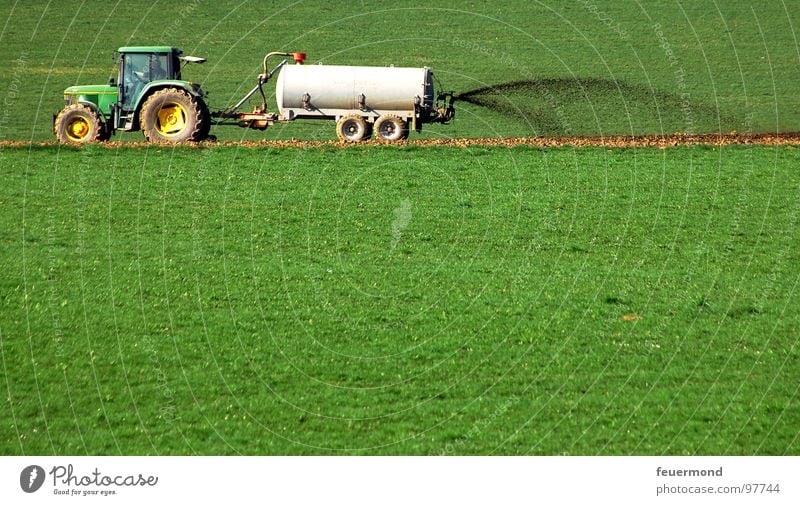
148 94
139 66
142 70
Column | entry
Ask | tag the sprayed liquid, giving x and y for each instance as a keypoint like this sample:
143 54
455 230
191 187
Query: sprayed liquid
562 106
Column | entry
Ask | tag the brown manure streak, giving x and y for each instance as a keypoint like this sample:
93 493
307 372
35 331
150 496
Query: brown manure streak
611 141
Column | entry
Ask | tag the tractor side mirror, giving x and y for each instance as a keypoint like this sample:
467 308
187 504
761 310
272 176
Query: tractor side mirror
112 81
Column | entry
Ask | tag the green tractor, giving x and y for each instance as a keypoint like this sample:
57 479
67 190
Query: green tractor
149 95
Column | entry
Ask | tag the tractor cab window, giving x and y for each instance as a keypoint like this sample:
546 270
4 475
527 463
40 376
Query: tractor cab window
139 69
176 67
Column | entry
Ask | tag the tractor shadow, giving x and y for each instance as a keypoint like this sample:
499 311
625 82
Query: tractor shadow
561 106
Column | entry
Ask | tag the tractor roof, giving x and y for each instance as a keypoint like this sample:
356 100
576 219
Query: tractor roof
149 49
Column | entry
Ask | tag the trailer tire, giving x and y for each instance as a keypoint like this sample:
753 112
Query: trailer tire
173 115
391 128
352 128
78 124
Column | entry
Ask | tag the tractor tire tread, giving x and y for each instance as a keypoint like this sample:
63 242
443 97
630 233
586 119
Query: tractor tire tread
195 107
98 131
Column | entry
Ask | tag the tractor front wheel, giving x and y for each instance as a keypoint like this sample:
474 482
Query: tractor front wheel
173 115
79 124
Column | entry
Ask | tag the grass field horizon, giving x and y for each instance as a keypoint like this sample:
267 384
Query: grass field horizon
409 300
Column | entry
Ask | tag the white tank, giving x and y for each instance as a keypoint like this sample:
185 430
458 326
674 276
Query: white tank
332 90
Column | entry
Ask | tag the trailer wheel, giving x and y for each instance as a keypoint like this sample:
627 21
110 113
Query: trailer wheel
352 128
173 115
79 124
391 128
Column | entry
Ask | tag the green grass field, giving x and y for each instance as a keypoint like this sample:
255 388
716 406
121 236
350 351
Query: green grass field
400 300
409 300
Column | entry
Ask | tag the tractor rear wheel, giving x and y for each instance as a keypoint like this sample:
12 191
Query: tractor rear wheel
352 128
391 128
79 124
206 129
173 115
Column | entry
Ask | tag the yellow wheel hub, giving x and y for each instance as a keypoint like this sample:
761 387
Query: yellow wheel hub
171 119
78 128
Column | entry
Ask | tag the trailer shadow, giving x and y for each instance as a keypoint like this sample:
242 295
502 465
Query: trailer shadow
562 106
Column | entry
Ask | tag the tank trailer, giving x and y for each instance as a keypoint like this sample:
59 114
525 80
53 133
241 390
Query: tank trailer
150 95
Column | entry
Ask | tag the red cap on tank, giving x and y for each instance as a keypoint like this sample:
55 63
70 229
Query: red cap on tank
299 57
